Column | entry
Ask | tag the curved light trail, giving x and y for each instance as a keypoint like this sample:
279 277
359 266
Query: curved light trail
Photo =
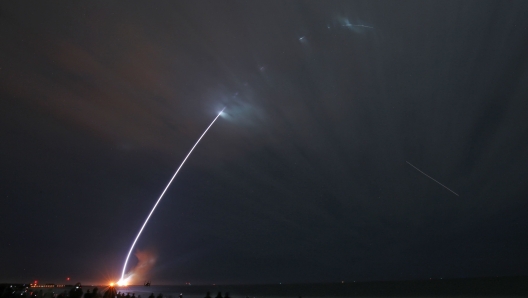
161 196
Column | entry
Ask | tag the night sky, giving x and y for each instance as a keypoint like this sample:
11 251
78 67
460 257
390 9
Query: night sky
306 176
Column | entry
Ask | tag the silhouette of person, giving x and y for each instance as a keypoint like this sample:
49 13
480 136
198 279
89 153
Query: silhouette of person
208 295
133 295
152 296
110 293
227 295
219 295
127 295
181 295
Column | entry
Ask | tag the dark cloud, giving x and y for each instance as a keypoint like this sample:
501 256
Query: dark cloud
305 176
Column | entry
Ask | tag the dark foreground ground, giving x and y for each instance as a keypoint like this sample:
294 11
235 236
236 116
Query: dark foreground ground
500 286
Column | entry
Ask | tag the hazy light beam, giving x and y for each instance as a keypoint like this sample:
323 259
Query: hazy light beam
432 178
161 196
364 26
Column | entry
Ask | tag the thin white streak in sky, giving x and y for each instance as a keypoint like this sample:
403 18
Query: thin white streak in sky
364 26
431 178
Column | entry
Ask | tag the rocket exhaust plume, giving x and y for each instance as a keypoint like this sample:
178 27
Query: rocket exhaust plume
122 280
146 260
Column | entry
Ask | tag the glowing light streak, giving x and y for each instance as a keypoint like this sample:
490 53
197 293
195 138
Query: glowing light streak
364 26
432 178
123 281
